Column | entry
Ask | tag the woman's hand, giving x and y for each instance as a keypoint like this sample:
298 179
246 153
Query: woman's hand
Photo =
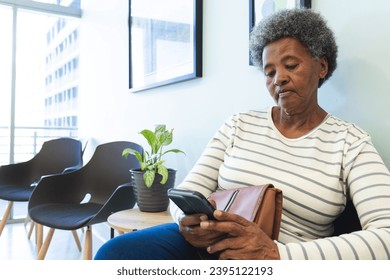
245 240
200 238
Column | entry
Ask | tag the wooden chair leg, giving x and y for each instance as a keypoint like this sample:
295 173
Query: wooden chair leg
39 236
32 226
46 244
77 239
26 220
88 244
5 216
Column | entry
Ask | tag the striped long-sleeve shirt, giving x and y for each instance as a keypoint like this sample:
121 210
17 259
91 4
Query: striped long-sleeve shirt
317 173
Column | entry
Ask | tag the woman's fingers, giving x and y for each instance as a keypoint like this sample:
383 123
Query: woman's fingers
227 223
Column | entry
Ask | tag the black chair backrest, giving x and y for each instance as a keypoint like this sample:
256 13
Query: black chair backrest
54 156
107 169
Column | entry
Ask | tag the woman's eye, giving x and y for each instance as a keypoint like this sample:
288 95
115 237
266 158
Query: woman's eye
291 66
270 74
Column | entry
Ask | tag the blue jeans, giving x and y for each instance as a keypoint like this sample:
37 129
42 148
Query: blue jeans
162 242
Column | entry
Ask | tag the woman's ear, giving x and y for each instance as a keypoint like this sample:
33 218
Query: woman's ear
324 67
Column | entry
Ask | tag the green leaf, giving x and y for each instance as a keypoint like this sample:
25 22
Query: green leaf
163 171
144 165
128 151
159 131
173 151
160 128
151 138
146 156
166 138
159 163
149 178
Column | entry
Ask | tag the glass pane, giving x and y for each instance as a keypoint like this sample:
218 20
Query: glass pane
5 81
47 68
162 40
66 3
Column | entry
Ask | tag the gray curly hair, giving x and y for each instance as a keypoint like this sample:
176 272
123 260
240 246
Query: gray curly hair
303 24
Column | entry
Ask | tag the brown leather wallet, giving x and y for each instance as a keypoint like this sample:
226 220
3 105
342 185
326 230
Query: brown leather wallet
259 204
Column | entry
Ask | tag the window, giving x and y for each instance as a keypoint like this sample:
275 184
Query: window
33 79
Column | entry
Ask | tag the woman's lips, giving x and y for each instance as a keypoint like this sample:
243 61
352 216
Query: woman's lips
284 93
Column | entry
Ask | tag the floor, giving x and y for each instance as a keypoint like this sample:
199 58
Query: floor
15 245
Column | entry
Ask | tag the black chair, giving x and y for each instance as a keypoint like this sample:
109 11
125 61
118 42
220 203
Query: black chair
348 221
87 196
17 181
39 235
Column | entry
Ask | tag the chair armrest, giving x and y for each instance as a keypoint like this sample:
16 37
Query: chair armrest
122 198
56 188
72 168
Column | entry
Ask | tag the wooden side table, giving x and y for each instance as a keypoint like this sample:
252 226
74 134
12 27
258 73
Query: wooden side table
134 219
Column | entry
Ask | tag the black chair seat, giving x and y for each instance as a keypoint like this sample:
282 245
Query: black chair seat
16 193
64 216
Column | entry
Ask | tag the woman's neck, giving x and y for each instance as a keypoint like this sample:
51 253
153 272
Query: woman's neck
297 125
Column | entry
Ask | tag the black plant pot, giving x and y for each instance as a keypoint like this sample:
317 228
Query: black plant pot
155 198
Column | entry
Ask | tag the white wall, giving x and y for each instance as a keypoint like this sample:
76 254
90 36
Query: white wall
360 90
195 109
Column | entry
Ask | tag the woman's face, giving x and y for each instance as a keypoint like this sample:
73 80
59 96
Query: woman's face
292 75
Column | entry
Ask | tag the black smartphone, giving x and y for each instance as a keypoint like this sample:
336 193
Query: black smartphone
191 202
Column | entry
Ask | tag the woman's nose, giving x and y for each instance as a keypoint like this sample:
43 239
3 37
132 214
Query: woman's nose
280 79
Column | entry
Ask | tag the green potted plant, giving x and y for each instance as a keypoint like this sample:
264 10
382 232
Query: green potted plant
152 180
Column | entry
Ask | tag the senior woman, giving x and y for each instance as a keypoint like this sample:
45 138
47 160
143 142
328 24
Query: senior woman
316 159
